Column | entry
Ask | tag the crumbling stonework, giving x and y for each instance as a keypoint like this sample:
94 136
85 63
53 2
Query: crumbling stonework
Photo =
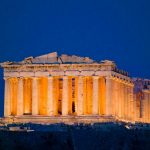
51 86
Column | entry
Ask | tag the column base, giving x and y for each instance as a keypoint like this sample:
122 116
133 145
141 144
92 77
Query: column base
69 119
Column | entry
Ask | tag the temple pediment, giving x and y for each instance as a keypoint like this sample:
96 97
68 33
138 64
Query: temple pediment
53 85
54 58
48 58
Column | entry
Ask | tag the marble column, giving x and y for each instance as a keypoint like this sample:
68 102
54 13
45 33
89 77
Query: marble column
128 102
113 96
65 96
144 106
80 96
76 95
125 101
70 99
95 95
20 97
7 101
50 101
34 96
108 96
102 96
148 106
118 98
132 102
122 100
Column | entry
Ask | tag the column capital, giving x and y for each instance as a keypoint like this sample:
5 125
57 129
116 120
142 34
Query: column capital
65 77
108 77
50 77
35 78
80 77
6 78
20 78
14 79
96 77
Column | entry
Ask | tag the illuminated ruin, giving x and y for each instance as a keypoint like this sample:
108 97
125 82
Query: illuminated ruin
52 86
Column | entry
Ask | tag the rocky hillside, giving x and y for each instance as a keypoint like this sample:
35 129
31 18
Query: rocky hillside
103 136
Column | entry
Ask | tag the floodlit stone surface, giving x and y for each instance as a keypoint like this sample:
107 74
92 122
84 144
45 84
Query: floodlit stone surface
53 86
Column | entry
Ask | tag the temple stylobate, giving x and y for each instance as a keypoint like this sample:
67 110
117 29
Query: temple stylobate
51 86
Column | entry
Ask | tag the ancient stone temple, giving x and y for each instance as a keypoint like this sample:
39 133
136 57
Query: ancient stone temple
56 87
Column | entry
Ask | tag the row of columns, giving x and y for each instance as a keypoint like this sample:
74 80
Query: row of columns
110 96
122 99
143 113
65 96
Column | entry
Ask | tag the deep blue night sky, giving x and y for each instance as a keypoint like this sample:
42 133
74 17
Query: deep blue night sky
101 29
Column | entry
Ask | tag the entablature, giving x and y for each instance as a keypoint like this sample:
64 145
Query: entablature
146 91
62 67
110 74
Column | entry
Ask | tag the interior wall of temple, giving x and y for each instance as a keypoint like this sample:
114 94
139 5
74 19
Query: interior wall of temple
56 92
42 91
80 98
76 95
60 88
87 95
102 96
13 91
73 97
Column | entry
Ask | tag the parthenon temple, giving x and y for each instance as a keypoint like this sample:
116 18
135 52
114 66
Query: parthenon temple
52 86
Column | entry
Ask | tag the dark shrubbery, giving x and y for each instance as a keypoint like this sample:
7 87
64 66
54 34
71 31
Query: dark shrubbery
102 136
